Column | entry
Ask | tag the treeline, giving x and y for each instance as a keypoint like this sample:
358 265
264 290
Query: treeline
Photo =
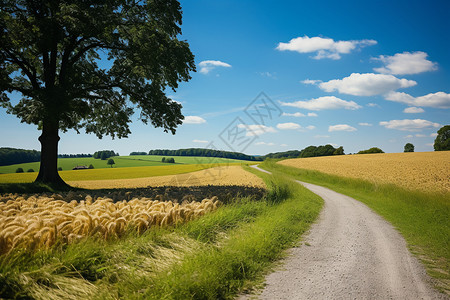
105 154
202 152
11 156
74 155
138 153
310 151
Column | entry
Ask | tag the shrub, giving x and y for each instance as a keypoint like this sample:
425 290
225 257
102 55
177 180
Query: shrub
163 159
371 150
59 169
30 171
90 166
19 170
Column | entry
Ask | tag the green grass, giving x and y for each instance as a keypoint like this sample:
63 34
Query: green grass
213 257
422 218
121 162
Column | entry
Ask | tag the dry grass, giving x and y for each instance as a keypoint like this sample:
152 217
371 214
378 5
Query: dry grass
224 175
426 171
40 221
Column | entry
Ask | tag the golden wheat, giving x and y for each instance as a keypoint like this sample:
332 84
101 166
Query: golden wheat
426 171
224 175
40 222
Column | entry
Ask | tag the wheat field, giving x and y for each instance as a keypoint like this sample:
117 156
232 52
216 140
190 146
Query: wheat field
426 171
223 175
40 222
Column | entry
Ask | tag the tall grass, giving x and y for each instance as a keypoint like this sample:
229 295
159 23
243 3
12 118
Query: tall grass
213 257
422 218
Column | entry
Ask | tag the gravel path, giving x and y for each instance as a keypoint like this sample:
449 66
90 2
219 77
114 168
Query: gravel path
350 253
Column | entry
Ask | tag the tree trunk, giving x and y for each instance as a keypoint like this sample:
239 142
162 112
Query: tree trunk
48 171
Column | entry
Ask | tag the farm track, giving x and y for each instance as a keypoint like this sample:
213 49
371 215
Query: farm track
350 253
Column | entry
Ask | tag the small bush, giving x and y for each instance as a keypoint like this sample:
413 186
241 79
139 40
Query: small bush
19 170
90 166
30 171
59 169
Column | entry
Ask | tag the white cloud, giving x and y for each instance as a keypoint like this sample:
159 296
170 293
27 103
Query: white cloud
429 144
437 100
341 127
207 65
312 114
434 134
297 115
264 144
327 102
283 145
200 141
268 74
368 84
323 47
409 125
193 120
310 127
406 63
413 110
409 136
364 124
254 130
321 136
421 135
288 126
309 81
372 105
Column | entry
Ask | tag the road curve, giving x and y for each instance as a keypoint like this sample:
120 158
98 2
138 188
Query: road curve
350 253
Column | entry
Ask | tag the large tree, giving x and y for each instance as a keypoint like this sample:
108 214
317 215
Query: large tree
442 141
90 64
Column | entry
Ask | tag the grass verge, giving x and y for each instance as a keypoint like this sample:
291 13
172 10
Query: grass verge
213 257
422 218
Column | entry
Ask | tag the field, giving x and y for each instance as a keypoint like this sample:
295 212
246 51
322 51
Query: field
223 175
122 162
425 171
80 246
111 173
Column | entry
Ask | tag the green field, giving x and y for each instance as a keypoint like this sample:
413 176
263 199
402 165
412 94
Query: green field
121 162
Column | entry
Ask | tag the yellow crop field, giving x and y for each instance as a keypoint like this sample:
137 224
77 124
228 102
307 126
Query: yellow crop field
223 175
426 171
40 222
111 173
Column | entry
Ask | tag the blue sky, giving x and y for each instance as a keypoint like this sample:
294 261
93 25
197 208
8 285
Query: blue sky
355 74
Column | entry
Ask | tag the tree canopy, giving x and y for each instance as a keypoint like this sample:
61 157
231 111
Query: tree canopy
409 147
442 141
90 64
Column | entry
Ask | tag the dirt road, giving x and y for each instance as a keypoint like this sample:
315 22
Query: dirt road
350 253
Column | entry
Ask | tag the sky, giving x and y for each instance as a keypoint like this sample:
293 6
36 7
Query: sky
282 75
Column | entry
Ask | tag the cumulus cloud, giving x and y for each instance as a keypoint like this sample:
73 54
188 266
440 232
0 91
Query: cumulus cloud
327 102
193 120
312 115
255 130
436 100
207 65
311 127
264 144
323 47
413 110
368 84
200 141
406 63
288 126
341 127
364 124
372 105
409 125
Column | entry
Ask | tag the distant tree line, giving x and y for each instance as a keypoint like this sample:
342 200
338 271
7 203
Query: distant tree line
138 153
310 151
105 154
74 155
202 152
371 150
11 156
